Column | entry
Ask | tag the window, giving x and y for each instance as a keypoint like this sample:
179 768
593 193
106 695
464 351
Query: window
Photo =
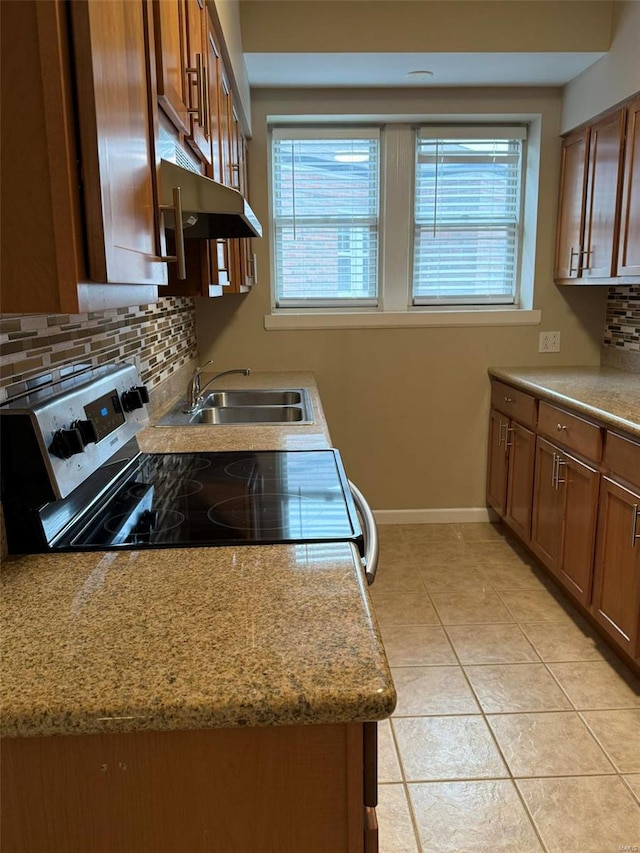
325 217
400 219
467 216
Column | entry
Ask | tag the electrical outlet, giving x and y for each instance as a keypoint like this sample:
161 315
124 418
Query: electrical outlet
549 342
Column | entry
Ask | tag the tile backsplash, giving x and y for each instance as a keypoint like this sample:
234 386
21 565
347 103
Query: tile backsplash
622 326
160 337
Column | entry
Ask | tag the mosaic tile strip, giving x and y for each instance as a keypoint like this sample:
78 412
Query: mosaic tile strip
160 337
622 325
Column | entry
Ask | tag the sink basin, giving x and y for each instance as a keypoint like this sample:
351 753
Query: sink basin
258 397
247 415
245 406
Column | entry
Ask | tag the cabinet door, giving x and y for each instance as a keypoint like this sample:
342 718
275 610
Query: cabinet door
603 184
197 80
521 445
616 591
170 51
213 69
571 205
548 507
497 462
580 485
117 152
629 248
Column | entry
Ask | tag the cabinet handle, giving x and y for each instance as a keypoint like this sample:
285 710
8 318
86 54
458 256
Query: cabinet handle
558 480
198 110
634 526
501 437
560 427
575 253
508 444
254 267
588 253
179 257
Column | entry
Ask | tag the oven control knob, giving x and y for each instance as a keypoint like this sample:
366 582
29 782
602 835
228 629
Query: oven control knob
135 398
66 443
87 431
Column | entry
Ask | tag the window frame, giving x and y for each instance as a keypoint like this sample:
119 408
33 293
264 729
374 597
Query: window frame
395 308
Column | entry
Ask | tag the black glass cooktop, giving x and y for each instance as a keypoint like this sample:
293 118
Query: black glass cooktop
200 499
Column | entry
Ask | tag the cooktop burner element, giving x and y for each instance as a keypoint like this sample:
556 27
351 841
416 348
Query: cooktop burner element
186 499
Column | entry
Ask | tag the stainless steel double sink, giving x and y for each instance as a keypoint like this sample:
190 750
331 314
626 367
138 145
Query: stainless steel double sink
246 406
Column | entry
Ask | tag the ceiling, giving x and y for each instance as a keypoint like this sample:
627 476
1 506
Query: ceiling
276 70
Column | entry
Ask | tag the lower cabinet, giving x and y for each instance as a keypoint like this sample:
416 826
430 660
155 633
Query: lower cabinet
616 591
565 502
286 788
569 488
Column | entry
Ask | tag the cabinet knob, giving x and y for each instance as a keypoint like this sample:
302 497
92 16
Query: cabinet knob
560 427
508 400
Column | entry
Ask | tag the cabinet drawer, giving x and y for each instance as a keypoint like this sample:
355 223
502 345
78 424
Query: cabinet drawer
516 404
570 431
622 458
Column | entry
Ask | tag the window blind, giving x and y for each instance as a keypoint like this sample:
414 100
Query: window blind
467 215
325 190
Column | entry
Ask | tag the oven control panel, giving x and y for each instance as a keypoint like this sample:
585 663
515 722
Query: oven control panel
80 422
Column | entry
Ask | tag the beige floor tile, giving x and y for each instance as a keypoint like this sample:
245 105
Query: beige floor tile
403 608
565 641
472 817
618 732
396 833
597 685
503 553
465 608
514 575
397 577
535 606
513 688
439 748
589 814
448 576
491 644
389 533
633 781
555 744
440 550
388 763
432 690
414 533
482 532
417 646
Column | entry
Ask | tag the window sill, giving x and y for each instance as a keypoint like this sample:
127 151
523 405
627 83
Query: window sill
397 319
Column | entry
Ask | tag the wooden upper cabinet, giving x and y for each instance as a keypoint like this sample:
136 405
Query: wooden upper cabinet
629 245
213 72
571 206
197 79
170 52
598 230
600 243
117 150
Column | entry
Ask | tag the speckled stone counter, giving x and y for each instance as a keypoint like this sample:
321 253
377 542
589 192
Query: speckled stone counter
187 639
314 436
609 395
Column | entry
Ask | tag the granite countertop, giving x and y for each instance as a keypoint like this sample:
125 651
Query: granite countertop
610 395
194 637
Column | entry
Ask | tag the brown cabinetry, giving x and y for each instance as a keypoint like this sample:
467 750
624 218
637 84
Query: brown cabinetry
564 517
170 39
511 456
629 247
599 202
570 490
63 248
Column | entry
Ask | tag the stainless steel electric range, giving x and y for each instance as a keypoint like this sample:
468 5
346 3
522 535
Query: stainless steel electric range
74 479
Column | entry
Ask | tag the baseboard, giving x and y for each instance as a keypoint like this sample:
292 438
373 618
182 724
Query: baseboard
434 516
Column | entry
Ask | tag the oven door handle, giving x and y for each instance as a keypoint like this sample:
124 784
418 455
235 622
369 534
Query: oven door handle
371 544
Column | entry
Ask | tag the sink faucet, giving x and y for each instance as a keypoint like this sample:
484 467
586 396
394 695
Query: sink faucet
194 392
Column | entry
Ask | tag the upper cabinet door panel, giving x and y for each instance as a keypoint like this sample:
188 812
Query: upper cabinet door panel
571 204
197 79
629 249
170 52
605 170
115 136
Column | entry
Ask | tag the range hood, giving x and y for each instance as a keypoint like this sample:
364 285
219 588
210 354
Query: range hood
210 210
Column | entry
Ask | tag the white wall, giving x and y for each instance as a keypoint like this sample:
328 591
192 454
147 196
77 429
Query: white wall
614 77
